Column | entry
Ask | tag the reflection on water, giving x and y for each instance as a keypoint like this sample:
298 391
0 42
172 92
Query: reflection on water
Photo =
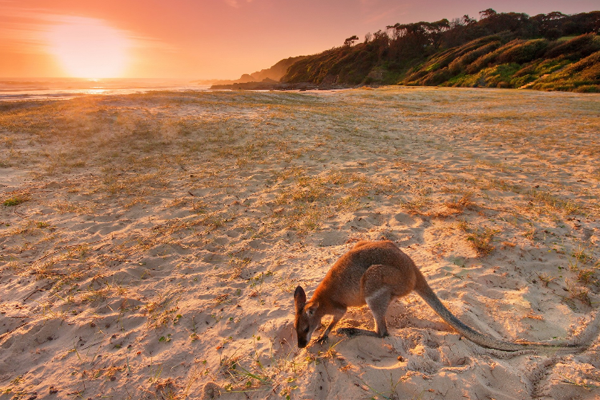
96 91
66 88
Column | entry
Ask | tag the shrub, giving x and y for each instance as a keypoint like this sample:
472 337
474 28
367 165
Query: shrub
523 52
501 75
588 89
460 63
437 77
574 49
15 200
489 59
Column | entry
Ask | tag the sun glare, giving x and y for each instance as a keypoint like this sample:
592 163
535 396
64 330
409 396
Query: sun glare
88 48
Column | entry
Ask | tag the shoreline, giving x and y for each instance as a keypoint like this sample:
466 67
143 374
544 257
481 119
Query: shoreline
302 86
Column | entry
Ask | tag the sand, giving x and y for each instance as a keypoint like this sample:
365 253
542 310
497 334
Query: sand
150 244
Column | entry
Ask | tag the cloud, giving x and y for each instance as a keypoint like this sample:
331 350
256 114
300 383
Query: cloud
26 30
386 14
236 3
20 32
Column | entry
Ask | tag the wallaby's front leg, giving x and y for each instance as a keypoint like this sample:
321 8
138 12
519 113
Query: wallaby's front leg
337 316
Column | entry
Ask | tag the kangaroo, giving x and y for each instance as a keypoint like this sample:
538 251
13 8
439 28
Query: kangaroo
374 273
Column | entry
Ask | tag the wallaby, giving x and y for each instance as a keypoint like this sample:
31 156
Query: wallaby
374 273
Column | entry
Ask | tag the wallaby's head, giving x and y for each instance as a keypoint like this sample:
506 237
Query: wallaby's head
306 317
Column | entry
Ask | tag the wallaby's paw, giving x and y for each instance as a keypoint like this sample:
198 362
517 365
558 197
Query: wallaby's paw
349 331
356 332
322 339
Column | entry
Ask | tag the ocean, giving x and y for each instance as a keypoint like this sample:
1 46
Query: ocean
66 88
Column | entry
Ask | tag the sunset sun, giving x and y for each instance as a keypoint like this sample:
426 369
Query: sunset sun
88 48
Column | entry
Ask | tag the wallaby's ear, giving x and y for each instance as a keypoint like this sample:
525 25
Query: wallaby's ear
311 308
299 299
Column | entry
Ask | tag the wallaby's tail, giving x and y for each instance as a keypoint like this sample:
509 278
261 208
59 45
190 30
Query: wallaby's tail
423 289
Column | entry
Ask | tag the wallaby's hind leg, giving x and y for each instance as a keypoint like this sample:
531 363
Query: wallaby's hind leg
377 298
378 303
379 285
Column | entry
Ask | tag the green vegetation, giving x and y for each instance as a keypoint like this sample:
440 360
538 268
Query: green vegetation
15 200
505 50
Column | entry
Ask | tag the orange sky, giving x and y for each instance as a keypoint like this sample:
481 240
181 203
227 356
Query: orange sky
203 39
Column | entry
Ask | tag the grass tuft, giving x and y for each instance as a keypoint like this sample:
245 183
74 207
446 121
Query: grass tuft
16 200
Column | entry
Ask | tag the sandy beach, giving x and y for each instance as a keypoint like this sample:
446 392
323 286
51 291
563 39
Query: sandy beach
150 244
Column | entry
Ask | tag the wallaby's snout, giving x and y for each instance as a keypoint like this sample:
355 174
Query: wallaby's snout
301 342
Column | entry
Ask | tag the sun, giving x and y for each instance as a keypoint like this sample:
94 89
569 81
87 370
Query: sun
88 48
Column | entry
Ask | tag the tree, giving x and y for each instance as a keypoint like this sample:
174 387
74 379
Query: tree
490 12
468 20
350 41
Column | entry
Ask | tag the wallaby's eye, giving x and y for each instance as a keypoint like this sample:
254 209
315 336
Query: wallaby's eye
306 330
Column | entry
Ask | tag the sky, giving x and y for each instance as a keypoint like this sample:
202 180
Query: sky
206 39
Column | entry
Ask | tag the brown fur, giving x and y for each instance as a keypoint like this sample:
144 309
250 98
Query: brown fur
374 273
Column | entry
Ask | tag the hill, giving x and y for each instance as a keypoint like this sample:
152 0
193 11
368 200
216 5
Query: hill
268 75
276 72
512 50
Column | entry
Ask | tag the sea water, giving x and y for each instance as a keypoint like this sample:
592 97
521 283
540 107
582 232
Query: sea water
66 88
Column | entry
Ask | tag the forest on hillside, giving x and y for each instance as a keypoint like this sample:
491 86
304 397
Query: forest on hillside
548 51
